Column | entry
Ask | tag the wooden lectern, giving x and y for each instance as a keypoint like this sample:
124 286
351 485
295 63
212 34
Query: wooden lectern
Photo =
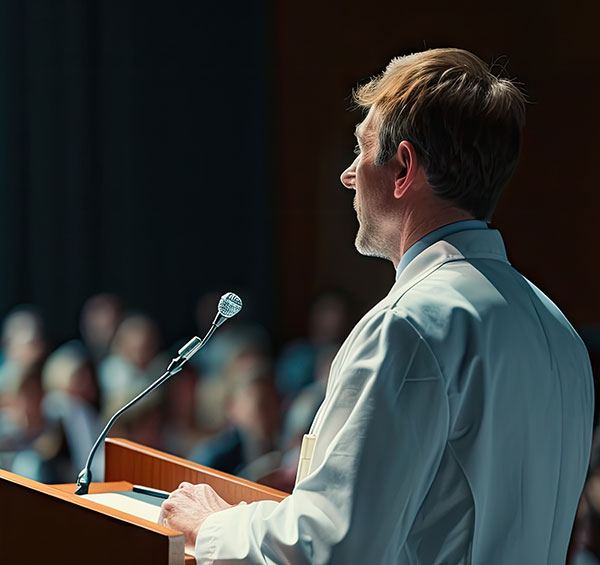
49 524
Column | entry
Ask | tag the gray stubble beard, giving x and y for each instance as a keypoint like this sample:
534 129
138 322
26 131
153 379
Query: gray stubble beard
366 245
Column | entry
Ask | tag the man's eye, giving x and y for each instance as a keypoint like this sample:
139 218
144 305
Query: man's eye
357 149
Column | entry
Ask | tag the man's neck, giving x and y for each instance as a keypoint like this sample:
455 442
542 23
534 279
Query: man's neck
416 226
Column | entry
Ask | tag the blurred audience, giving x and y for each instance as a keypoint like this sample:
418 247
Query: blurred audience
225 409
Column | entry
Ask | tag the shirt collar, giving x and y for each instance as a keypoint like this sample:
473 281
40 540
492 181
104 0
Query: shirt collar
434 236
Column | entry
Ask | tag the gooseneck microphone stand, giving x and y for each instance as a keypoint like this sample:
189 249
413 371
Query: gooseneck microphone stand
229 306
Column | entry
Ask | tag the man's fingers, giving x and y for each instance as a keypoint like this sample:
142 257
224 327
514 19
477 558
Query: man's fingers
161 516
184 485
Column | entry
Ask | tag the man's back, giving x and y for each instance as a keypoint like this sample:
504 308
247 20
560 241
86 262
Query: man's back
520 395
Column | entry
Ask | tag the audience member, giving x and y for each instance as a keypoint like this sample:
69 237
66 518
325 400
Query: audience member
23 346
22 425
133 363
327 326
100 317
71 410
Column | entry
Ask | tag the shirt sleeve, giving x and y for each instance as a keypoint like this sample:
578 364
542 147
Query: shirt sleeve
381 433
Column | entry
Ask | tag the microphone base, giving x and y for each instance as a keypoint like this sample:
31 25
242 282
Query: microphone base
83 481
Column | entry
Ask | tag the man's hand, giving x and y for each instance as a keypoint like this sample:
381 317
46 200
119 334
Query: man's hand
187 507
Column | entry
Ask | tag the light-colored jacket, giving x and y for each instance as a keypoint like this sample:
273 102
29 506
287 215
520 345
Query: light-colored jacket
456 429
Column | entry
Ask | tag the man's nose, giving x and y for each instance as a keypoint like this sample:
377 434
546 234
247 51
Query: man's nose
348 176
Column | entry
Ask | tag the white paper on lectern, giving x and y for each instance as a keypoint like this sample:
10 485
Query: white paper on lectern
126 504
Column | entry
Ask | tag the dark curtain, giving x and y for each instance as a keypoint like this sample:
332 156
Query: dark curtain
134 156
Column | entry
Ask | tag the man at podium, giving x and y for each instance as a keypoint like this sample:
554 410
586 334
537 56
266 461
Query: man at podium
457 422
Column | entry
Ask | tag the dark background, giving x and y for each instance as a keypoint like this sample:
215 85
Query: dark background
159 150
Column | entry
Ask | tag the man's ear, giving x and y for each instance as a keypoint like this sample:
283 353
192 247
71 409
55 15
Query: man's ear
407 166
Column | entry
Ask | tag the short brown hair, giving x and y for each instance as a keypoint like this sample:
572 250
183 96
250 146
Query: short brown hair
464 122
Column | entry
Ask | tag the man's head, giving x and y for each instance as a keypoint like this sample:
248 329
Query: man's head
438 118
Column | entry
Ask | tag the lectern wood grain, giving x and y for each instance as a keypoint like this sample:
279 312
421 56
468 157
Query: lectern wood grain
137 464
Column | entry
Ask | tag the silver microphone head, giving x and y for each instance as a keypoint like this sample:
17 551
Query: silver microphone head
229 305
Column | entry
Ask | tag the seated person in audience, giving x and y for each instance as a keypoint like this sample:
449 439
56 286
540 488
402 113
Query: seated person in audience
252 413
133 364
23 346
100 317
71 410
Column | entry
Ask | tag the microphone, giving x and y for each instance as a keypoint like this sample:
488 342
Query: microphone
229 305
